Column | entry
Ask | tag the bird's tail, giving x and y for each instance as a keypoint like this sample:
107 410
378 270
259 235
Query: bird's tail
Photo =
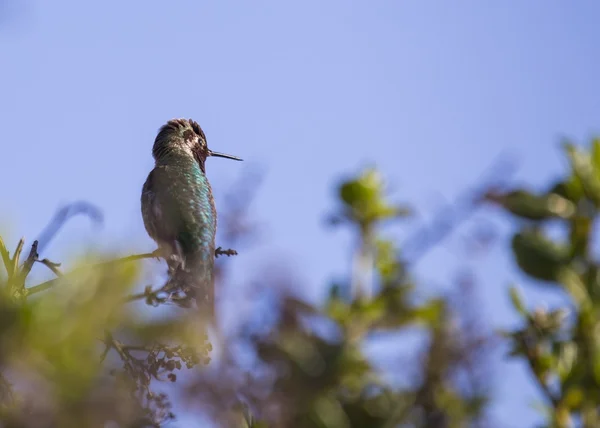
195 278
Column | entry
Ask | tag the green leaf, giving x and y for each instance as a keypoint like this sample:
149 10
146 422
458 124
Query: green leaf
573 398
366 189
538 256
372 310
535 207
517 301
330 413
580 229
5 257
567 356
583 168
596 156
386 261
570 189
430 313
575 287
365 200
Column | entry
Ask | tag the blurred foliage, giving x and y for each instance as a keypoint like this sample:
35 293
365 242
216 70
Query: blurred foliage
561 345
310 369
52 349
73 353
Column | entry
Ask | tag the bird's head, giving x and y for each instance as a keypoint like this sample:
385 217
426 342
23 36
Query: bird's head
184 136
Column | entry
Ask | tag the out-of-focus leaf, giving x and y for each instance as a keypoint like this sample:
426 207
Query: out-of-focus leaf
338 310
258 425
354 368
596 156
579 235
517 301
570 189
4 255
430 313
330 413
567 357
593 343
68 321
592 281
373 310
386 261
544 363
583 168
366 202
366 189
538 256
573 398
396 310
575 287
535 207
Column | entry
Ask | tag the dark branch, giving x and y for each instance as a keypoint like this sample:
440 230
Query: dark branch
146 294
428 236
49 284
52 266
64 214
27 265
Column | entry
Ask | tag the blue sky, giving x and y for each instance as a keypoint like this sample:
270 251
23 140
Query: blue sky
430 92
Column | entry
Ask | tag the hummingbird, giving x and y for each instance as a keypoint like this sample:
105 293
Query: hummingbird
179 211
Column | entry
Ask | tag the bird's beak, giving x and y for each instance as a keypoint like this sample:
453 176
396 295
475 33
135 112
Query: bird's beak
223 155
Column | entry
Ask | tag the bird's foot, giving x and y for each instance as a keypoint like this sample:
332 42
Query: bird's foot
220 252
175 263
157 254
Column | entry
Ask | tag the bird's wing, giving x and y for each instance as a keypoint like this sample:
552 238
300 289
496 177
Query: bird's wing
158 207
178 207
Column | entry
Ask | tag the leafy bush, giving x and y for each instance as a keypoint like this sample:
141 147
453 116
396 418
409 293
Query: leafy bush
74 353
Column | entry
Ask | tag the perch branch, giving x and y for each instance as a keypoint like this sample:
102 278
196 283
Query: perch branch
53 266
49 284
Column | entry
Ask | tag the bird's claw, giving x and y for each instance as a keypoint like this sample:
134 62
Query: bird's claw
220 252
175 263
157 254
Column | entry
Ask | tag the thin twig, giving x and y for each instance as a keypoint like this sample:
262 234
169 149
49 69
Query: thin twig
49 284
134 297
5 257
41 287
121 351
125 260
28 264
15 259
108 343
54 267
147 292
533 366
